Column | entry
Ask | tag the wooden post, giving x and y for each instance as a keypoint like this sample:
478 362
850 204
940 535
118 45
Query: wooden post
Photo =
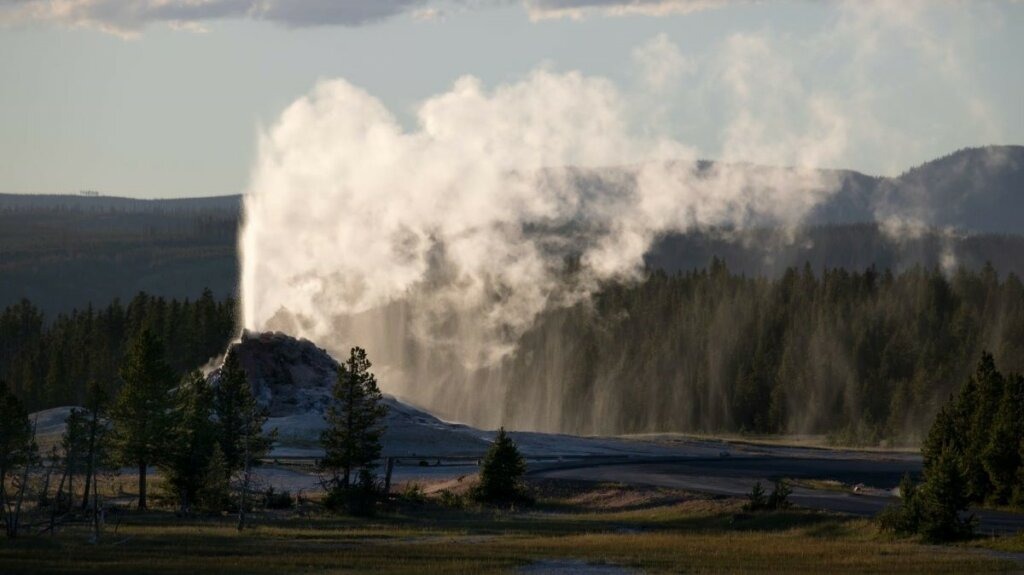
388 467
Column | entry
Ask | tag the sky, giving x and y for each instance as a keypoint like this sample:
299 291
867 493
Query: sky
168 98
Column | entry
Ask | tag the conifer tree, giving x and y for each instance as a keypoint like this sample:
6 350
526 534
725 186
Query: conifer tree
193 437
239 416
140 415
1002 457
501 472
96 449
1017 497
75 450
943 499
17 449
215 492
988 392
240 421
355 422
16 445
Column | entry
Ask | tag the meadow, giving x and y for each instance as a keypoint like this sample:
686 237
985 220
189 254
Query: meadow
572 527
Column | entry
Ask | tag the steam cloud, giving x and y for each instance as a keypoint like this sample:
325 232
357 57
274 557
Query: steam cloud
472 217
453 234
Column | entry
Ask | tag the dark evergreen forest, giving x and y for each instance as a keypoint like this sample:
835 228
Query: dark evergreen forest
50 362
864 357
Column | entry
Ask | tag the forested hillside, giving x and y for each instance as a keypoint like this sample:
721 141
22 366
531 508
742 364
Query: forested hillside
862 356
65 252
64 256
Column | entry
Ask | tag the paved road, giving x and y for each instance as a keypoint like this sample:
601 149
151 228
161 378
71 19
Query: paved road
734 476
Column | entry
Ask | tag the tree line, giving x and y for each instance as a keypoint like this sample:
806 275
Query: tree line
198 434
51 363
863 357
205 435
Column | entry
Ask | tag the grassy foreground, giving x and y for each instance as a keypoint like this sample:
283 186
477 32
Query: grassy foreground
652 530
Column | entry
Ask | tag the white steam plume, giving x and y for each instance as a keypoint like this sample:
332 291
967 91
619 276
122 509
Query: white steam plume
472 217
436 246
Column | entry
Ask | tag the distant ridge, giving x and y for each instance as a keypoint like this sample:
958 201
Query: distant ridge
974 190
25 202
65 251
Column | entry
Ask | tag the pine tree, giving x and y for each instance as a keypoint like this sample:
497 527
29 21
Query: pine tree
943 499
96 449
75 450
193 437
779 497
1017 497
17 449
988 390
942 435
1002 458
15 437
501 472
215 491
756 499
239 416
355 422
240 421
140 415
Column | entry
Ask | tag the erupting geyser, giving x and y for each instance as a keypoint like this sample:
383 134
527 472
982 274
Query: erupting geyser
448 240
436 243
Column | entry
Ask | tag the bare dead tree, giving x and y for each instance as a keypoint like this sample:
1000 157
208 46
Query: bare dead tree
44 493
96 510
13 518
246 475
90 470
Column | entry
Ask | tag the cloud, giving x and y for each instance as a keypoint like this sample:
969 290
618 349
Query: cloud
661 63
576 9
428 14
129 17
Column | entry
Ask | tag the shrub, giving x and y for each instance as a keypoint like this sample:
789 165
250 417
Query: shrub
756 499
359 499
452 499
904 519
933 510
277 499
413 493
779 498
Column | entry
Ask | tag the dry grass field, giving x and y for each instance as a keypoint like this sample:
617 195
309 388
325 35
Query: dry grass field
573 527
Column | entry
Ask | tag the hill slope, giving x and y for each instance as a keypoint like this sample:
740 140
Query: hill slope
64 252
